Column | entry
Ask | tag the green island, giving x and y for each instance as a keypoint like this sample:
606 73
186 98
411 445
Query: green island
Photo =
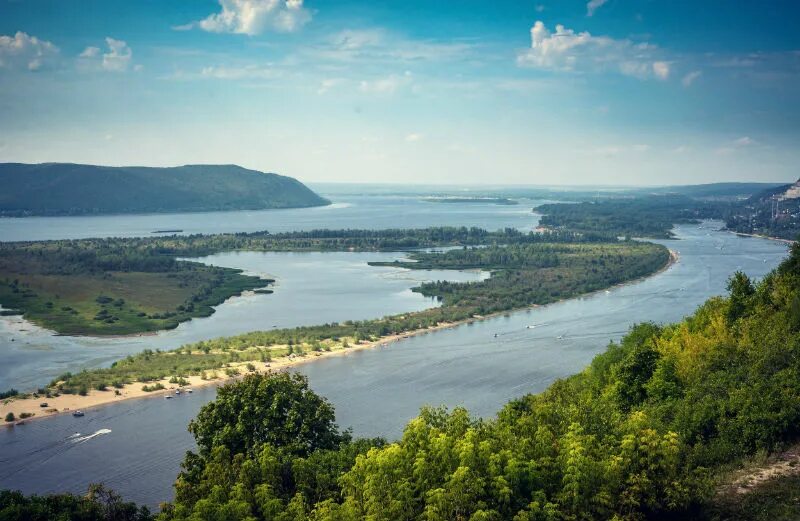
85 289
659 426
651 216
505 201
123 286
521 276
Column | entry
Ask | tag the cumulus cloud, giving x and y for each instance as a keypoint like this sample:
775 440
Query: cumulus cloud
253 17
26 52
661 70
117 58
567 50
594 5
690 78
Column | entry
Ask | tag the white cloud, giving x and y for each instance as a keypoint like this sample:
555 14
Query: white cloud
413 138
238 73
117 58
388 85
566 50
540 8
328 84
594 5
90 52
26 52
661 70
253 17
380 45
690 78
737 144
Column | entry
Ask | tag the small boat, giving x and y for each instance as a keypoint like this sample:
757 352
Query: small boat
189 391
495 335
168 397
560 337
177 391
78 414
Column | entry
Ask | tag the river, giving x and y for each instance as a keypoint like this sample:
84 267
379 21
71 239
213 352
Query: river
135 447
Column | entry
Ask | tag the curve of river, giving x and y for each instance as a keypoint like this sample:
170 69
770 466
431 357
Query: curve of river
136 446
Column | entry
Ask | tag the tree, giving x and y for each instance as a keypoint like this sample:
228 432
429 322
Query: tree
741 293
278 409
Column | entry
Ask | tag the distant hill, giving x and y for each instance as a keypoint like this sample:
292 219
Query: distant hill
716 190
70 189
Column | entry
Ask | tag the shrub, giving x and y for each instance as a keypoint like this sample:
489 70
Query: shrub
10 417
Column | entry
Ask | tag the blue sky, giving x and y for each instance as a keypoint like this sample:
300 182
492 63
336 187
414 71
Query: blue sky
523 92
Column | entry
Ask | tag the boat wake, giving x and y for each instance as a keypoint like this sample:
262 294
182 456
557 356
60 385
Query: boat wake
77 438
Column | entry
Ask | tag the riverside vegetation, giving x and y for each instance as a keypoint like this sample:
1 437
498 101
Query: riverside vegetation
122 286
521 275
645 432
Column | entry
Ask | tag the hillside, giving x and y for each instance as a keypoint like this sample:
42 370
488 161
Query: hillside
71 189
774 212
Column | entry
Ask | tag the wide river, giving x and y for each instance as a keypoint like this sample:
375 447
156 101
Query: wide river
136 446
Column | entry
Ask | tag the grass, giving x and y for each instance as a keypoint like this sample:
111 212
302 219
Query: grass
119 303
775 500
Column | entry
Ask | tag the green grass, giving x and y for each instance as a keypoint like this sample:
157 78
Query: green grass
119 303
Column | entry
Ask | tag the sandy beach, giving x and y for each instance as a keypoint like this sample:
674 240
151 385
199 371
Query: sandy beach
69 403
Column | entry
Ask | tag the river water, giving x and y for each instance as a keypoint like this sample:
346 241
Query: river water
136 446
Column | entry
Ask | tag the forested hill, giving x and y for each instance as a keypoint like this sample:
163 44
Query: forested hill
72 189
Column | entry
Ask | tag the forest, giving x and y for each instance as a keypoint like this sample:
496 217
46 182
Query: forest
651 216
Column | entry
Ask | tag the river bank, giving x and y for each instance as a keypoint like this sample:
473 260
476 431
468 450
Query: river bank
70 403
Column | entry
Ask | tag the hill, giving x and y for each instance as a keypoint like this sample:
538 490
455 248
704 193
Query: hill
72 189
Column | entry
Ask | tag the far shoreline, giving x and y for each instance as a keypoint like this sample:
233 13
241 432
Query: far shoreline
70 403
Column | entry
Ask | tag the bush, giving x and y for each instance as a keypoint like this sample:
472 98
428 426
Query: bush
8 394
10 417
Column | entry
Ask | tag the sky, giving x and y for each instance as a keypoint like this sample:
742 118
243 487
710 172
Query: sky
543 92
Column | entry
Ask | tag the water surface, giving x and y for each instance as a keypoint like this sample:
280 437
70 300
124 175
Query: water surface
375 392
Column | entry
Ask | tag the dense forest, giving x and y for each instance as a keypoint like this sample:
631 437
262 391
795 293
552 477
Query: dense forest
641 216
641 433
70 189
121 286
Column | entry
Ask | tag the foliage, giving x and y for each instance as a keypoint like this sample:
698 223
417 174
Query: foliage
641 216
70 189
100 504
638 434
279 410
522 275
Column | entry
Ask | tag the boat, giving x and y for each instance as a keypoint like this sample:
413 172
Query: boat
168 397
560 337
78 414
189 391
177 391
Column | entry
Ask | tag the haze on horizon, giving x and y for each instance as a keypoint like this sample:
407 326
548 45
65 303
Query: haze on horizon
545 92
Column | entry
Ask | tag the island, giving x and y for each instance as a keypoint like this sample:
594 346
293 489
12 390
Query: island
73 189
